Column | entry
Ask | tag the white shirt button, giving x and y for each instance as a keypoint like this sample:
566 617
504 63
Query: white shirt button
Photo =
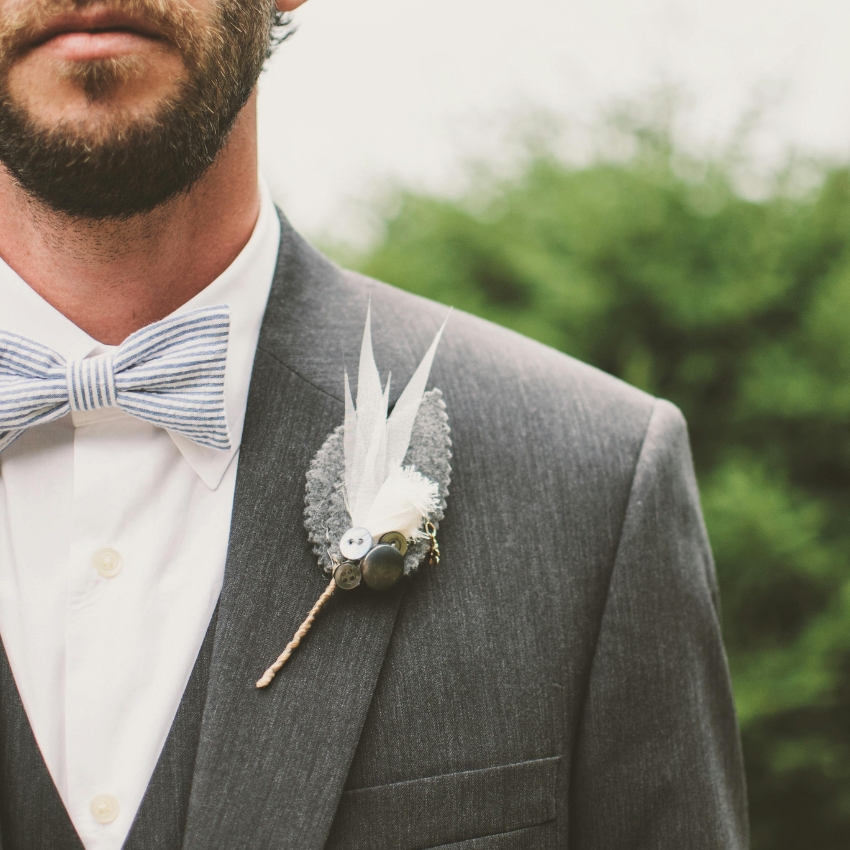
104 808
108 562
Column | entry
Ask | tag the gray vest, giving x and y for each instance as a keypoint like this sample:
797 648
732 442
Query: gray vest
32 815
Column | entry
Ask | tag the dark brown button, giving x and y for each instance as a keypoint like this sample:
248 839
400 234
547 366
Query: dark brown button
347 576
383 567
396 539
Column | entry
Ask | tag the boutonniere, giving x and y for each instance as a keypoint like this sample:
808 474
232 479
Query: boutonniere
377 489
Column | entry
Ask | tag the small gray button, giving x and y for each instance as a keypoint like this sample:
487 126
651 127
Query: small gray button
355 543
347 576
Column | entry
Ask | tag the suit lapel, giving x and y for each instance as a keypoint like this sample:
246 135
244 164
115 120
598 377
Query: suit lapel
271 764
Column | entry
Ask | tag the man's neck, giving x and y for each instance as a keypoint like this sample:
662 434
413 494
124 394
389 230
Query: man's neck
112 278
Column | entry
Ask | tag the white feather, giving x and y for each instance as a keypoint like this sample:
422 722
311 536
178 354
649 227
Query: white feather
379 493
406 498
400 423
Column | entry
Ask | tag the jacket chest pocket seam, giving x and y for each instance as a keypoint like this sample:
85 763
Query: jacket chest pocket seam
433 811
470 842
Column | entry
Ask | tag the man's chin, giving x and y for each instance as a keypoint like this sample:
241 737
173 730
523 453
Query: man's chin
100 123
95 92
100 161
105 82
100 129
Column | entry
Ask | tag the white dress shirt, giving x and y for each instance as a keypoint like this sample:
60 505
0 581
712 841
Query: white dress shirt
113 537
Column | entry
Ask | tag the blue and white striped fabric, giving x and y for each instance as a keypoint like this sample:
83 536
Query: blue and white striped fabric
170 373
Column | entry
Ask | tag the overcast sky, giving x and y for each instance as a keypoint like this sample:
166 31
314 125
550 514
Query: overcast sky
374 90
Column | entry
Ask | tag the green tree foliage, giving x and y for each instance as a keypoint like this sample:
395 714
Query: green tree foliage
656 269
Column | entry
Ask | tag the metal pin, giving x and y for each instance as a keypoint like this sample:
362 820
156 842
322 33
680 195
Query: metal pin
434 551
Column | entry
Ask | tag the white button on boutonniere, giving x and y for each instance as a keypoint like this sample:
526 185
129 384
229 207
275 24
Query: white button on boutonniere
377 489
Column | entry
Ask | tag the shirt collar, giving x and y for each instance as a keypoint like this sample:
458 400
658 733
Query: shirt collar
244 285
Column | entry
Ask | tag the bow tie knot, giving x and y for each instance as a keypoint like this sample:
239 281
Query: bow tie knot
91 383
170 374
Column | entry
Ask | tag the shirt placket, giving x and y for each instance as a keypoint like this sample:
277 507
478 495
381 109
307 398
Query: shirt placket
94 638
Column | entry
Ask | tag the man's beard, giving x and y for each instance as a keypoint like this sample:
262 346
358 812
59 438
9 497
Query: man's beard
135 165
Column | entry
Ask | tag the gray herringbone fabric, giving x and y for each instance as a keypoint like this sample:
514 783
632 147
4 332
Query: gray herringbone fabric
558 681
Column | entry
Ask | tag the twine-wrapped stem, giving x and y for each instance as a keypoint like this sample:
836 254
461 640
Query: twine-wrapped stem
267 677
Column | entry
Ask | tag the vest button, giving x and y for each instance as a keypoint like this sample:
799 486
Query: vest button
107 562
104 808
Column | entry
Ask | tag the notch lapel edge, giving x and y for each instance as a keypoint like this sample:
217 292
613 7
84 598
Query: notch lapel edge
271 765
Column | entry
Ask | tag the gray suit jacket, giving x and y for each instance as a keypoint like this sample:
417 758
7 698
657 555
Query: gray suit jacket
558 681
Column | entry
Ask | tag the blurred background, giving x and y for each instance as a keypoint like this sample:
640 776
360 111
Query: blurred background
663 190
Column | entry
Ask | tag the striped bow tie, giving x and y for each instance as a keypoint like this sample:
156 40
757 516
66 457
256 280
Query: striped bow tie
170 373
